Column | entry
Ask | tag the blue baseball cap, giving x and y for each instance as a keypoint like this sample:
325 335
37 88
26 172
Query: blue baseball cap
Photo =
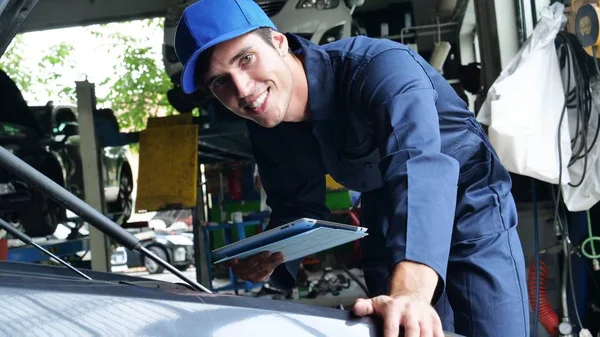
207 23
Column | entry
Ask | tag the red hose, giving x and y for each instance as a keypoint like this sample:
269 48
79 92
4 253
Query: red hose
548 317
354 218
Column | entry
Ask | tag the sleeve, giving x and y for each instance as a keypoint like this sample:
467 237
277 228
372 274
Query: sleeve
420 180
293 177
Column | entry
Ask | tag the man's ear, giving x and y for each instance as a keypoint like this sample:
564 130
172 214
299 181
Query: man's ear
280 42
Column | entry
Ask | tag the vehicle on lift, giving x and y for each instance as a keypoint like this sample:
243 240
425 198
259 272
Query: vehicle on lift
117 176
47 137
21 134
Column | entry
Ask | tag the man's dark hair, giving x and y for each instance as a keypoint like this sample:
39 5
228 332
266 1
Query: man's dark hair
204 60
265 34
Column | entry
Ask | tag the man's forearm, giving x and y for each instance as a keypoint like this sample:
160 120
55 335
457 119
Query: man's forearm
414 279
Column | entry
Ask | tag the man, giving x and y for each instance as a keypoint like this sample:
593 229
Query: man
380 120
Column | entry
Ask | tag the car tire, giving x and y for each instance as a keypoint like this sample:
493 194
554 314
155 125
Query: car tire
151 266
42 214
183 268
124 203
41 217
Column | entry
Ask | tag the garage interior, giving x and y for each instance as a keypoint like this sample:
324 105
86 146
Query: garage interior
185 184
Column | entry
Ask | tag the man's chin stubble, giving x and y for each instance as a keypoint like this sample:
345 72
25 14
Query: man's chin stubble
265 122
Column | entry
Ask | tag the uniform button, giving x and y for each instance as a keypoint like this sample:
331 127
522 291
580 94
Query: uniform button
369 165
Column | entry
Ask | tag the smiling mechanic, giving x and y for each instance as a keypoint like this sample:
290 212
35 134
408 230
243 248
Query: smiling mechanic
373 114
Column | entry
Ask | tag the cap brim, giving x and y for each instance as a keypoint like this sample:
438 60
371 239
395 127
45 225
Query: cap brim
189 80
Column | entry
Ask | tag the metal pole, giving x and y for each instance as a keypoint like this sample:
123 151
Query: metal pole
564 282
523 21
200 242
533 13
438 26
93 185
489 43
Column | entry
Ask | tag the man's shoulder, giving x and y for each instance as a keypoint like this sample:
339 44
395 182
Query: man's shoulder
361 48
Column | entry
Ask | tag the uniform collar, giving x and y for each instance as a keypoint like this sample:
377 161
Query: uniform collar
319 74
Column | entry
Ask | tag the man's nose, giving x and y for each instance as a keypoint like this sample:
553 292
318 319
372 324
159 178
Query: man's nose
243 84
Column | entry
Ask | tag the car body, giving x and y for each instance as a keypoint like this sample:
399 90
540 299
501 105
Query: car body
119 305
21 134
19 203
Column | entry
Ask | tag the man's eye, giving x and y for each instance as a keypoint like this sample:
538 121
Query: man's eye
247 58
219 81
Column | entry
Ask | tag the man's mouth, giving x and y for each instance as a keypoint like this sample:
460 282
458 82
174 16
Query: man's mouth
259 105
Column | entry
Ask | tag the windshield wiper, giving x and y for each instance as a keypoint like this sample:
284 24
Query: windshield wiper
29 241
86 212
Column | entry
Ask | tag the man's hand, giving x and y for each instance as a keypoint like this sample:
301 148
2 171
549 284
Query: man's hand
418 317
411 290
256 268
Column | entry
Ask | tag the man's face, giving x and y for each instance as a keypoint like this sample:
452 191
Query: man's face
251 78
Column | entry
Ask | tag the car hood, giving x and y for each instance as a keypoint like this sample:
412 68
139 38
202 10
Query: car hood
62 303
70 306
13 14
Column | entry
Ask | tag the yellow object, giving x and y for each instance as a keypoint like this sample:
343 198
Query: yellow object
332 185
168 167
587 28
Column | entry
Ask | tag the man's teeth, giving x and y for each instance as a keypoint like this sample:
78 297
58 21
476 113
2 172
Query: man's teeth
259 101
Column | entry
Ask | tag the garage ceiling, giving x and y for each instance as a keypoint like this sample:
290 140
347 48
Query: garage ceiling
51 14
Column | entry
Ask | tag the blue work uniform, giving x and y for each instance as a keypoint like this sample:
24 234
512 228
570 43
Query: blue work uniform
385 123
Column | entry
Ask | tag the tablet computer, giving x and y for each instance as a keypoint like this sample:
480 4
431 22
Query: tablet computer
296 239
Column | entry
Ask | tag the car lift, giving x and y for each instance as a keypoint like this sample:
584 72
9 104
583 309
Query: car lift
60 248
16 250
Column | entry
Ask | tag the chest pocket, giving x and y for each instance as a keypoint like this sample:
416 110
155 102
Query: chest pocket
352 154
363 171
